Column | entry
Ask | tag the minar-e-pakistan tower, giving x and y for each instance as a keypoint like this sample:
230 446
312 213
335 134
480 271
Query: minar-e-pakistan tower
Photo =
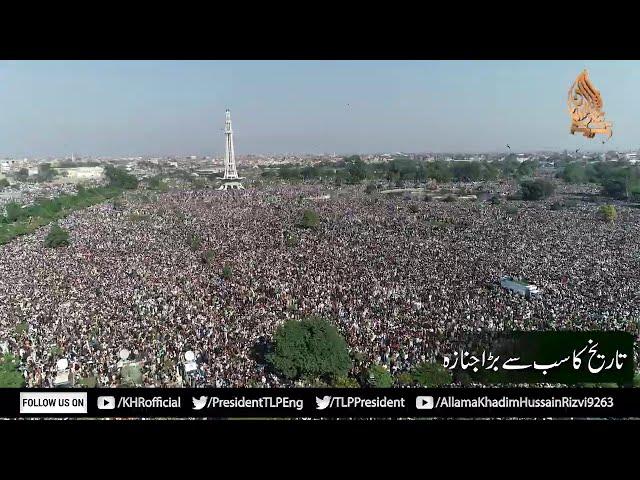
230 179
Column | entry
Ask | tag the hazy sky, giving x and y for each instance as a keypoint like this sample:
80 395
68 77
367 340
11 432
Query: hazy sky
50 108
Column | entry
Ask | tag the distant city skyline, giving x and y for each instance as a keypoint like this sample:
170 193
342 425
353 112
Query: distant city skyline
165 108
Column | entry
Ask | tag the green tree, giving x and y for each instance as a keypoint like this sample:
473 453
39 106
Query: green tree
379 377
491 171
45 172
120 178
536 189
608 213
467 171
290 173
10 376
4 183
356 168
131 375
308 349
227 272
310 219
196 243
615 188
346 382
118 203
511 209
290 240
15 212
21 328
510 165
528 168
207 257
405 378
439 171
430 374
198 183
156 183
57 237
88 382
574 172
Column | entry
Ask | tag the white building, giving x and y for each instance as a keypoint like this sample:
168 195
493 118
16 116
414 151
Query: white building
80 174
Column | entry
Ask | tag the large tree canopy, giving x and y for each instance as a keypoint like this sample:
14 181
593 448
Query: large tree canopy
57 237
118 177
308 349
536 189
10 376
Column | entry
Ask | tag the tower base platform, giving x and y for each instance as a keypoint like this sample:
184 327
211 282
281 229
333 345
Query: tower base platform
233 185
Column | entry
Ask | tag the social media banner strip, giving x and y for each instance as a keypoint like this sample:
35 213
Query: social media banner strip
322 403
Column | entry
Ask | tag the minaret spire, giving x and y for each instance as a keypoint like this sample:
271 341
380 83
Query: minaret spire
231 178
230 172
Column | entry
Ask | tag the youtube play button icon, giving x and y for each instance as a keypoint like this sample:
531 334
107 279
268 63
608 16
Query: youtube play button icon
106 403
424 403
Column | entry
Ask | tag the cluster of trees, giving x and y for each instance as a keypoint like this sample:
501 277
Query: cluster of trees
76 164
310 172
618 179
312 350
120 178
21 220
157 183
4 183
404 169
353 170
58 207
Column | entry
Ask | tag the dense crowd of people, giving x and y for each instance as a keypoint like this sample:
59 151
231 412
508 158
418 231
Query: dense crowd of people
403 279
